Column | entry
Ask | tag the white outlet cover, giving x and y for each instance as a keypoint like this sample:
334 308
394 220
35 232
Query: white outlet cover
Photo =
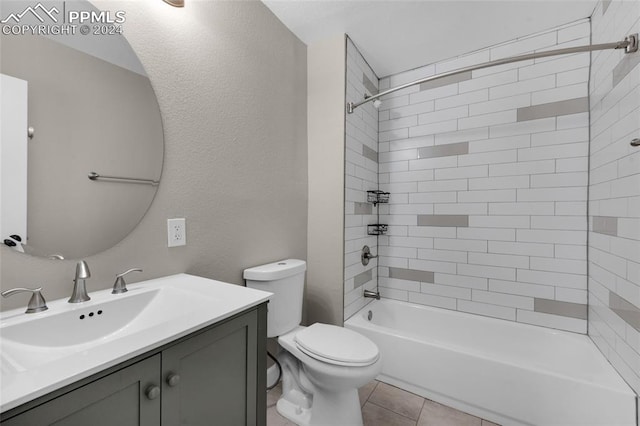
176 232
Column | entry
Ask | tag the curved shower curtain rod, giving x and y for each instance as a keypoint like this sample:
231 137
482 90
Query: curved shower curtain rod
630 44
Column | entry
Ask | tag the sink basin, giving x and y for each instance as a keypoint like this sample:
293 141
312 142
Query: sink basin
106 319
41 339
80 325
44 351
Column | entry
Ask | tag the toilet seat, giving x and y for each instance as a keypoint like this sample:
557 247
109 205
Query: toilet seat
336 345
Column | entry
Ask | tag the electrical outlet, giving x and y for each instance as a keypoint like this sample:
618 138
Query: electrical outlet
176 232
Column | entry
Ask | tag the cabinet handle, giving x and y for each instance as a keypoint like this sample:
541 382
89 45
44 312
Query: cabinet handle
173 379
152 392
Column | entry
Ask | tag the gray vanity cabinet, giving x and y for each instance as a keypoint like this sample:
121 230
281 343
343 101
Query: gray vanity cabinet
215 376
210 379
117 399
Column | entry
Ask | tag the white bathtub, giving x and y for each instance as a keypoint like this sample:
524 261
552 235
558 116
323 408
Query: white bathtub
509 373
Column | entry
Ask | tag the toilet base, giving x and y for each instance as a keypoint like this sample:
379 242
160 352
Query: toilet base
293 412
327 409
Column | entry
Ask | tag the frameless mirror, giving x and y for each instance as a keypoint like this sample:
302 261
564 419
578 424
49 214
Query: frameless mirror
89 108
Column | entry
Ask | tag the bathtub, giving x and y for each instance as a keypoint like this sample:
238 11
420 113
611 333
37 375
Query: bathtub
505 372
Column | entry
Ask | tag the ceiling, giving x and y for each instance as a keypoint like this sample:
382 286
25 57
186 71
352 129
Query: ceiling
395 35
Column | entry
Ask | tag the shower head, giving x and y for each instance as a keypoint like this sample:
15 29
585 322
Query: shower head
377 103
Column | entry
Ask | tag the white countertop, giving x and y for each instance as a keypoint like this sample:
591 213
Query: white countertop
177 306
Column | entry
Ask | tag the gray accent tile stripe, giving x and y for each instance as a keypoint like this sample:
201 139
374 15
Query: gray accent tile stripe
605 6
363 208
445 81
605 225
444 150
369 153
369 86
411 275
443 220
556 307
624 67
625 310
362 278
553 109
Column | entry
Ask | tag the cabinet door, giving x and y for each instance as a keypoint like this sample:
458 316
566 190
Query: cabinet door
117 399
217 376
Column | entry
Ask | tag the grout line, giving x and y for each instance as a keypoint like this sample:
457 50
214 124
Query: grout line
424 402
396 413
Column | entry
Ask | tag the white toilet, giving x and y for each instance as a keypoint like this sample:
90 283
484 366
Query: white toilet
323 365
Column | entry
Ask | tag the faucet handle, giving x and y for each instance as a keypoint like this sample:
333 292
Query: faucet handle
36 303
120 286
366 255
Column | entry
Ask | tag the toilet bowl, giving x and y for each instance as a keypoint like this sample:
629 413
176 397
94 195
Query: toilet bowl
322 365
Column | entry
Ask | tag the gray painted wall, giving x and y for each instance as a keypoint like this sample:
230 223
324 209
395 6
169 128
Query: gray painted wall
231 85
325 268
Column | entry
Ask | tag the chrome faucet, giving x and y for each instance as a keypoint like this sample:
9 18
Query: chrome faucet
372 294
79 286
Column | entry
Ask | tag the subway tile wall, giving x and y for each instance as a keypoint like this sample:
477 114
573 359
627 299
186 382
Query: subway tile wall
488 178
614 192
361 175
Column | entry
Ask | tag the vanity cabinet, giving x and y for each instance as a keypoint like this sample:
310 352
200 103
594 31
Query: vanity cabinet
211 379
117 399
215 376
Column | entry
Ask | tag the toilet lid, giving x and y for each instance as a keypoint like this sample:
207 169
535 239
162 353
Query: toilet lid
337 345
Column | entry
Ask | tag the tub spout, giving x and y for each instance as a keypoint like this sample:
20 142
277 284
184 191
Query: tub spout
372 294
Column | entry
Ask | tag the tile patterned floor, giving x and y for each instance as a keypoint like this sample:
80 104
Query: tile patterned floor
386 405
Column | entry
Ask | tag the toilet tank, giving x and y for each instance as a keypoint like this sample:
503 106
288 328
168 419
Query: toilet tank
285 279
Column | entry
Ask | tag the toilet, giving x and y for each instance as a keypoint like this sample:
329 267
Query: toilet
322 365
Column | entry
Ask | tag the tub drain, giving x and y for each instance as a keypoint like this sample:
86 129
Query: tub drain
369 315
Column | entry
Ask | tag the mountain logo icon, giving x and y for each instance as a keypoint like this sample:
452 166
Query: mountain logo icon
39 11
